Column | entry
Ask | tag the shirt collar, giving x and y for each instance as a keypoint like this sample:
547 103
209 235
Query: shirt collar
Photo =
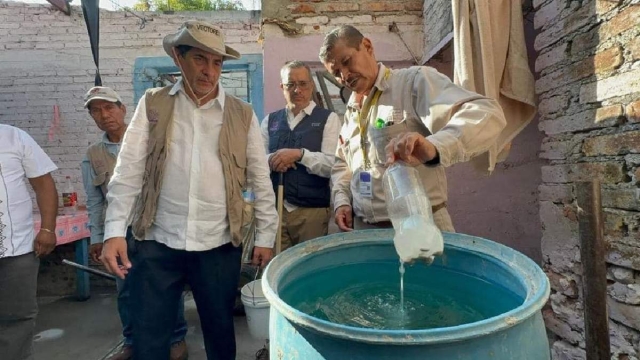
178 86
382 83
105 139
307 110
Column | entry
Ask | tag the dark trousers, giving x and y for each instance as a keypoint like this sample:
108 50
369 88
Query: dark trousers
18 305
157 281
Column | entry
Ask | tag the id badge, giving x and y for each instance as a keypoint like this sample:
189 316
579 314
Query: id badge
366 189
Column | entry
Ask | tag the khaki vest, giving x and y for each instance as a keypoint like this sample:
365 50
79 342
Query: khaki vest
103 163
237 117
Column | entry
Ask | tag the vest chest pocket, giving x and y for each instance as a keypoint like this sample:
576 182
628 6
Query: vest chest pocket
240 161
100 179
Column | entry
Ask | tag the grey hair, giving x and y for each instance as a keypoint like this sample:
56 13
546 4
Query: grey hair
295 64
351 36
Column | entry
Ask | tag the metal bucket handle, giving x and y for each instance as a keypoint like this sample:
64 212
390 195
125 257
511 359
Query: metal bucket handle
253 283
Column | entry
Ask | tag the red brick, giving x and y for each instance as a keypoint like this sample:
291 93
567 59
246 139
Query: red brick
338 7
382 6
413 6
628 142
604 6
609 172
601 62
633 111
625 20
636 174
613 112
302 9
608 60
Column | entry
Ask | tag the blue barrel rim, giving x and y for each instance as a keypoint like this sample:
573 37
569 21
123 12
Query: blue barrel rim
535 282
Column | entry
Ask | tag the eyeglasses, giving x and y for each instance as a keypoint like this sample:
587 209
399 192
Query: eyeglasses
302 85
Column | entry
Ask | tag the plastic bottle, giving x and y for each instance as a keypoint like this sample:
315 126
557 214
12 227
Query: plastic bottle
69 196
248 195
409 208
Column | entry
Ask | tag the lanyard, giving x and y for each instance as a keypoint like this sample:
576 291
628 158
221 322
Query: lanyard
363 122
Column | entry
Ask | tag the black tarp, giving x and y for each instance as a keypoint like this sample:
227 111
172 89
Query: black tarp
91 12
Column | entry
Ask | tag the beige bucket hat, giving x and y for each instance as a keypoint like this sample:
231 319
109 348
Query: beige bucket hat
201 35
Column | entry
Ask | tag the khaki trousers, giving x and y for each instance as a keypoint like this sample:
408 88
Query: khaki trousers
440 217
303 224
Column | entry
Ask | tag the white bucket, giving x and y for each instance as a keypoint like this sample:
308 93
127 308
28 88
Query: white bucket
256 307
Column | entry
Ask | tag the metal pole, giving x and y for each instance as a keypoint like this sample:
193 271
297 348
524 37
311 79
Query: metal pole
594 270
89 270
280 210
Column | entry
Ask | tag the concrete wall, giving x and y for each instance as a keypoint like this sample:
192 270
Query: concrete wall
588 87
295 30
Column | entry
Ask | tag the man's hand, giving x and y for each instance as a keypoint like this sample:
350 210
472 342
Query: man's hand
284 159
344 218
116 248
44 243
95 250
411 148
261 256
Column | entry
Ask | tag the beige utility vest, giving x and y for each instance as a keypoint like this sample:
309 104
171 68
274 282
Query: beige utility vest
237 117
103 163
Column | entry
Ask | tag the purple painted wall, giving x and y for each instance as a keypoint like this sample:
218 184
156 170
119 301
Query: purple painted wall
278 49
504 206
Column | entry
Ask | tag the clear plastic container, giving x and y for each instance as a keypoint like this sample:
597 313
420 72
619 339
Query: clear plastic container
409 208
69 197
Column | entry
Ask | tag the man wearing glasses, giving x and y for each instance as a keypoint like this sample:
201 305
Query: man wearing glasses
301 142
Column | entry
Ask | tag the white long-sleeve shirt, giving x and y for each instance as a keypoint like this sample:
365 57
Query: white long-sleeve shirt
461 124
317 162
192 210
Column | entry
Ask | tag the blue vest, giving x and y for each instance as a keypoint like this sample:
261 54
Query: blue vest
300 188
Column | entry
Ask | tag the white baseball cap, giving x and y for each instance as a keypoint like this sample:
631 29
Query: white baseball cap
101 93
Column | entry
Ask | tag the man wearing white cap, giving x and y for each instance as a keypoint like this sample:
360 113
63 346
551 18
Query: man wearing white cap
106 108
188 153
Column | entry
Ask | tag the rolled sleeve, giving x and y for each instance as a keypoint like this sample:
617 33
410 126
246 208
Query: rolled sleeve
35 161
463 124
340 180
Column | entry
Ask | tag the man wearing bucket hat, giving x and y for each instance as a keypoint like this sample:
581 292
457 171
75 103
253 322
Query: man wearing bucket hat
188 152
106 108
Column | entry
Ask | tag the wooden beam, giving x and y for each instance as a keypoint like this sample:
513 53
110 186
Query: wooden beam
594 270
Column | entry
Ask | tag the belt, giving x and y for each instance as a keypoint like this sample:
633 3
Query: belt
388 224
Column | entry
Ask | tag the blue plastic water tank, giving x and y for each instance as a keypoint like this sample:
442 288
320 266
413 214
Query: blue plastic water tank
517 334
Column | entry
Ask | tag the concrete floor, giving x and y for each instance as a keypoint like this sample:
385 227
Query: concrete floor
90 330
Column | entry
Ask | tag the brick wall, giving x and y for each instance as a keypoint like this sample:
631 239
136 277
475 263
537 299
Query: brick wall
45 60
294 30
438 25
588 87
